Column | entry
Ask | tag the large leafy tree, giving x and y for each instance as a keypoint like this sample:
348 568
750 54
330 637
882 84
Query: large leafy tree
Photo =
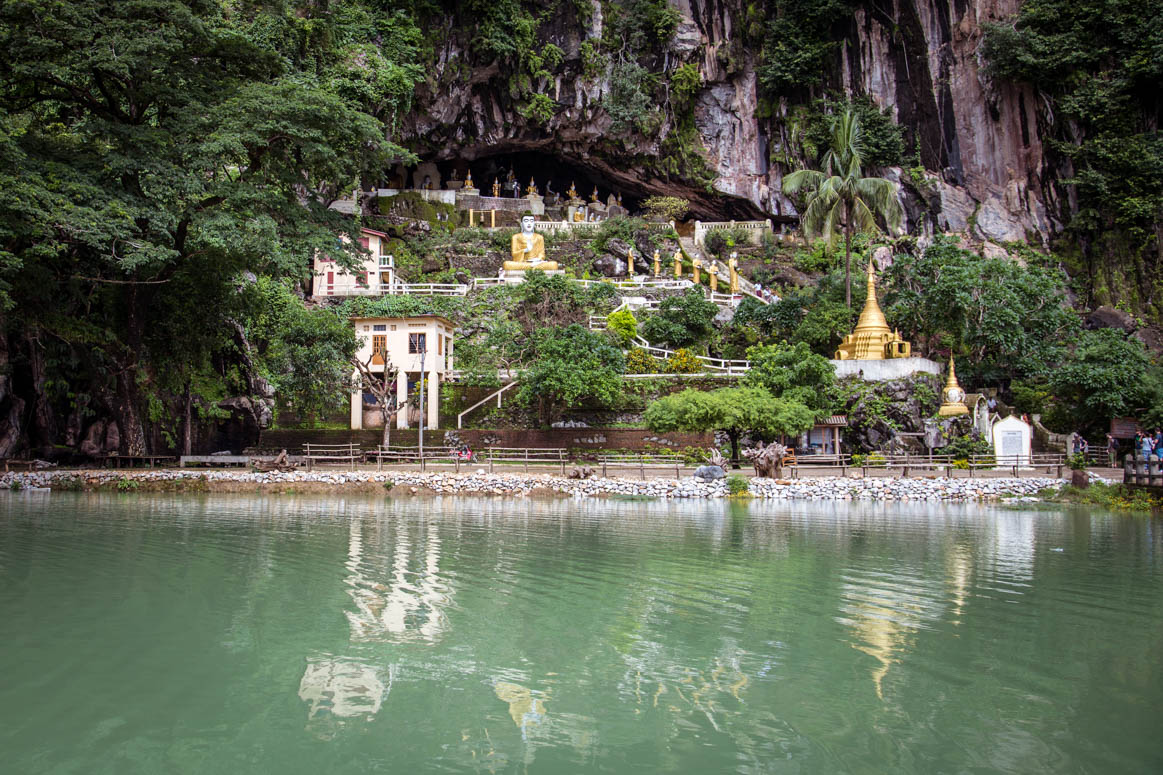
1005 320
1104 377
155 156
735 411
794 372
838 200
570 366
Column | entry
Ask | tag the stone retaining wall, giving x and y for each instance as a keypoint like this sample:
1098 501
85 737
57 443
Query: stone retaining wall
482 483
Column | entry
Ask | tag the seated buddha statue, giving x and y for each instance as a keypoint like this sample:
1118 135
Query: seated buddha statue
528 249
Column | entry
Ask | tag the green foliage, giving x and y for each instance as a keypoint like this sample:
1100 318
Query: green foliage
738 485
881 142
668 208
571 365
966 447
1111 496
681 321
794 372
869 460
1030 397
685 82
638 361
798 43
683 361
155 156
720 242
629 101
539 108
1076 462
623 326
732 410
1007 321
1098 70
837 200
304 353
1104 377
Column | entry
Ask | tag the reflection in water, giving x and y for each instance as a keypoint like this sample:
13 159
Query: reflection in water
342 688
598 636
411 605
526 710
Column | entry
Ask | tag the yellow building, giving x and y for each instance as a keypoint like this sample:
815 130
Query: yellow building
872 339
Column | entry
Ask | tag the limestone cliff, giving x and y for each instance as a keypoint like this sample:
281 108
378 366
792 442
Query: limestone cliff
921 59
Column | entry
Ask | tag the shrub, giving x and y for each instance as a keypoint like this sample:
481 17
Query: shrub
668 208
622 325
737 485
683 361
638 361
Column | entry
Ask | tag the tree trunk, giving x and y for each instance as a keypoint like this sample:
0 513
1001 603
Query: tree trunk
847 260
43 431
386 412
734 449
188 422
11 406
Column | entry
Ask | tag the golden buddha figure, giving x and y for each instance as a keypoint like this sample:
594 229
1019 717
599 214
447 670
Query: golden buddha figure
733 268
696 266
468 180
657 263
532 189
677 264
872 339
496 188
594 198
528 249
572 193
713 270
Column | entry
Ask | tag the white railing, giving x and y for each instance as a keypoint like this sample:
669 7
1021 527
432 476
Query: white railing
427 289
756 228
720 365
496 394
487 282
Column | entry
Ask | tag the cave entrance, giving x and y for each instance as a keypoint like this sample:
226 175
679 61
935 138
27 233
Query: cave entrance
551 173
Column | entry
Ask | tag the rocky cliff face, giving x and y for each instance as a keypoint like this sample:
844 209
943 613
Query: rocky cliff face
919 58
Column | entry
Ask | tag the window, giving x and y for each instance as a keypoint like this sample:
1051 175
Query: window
440 345
417 343
379 344
365 242
380 327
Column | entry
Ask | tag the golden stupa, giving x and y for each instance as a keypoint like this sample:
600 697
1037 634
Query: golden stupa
872 339
952 396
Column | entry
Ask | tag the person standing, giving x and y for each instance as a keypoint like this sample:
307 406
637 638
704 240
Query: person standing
1112 450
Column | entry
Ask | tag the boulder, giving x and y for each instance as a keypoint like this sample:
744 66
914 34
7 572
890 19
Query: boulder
610 266
995 222
92 444
1152 338
956 207
710 473
1110 317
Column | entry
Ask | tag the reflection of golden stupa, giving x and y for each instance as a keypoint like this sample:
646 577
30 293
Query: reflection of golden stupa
952 397
872 339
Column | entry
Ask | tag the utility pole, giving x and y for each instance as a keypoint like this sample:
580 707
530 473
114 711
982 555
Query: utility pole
423 351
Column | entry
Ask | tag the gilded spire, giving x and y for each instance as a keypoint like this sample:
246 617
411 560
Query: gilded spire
872 339
952 397
871 318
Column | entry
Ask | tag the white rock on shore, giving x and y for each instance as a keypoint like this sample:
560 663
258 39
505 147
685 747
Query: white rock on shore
823 488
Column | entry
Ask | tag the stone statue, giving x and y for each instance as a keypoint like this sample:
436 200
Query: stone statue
677 264
528 249
657 263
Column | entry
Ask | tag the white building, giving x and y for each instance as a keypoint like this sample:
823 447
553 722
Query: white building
403 343
372 277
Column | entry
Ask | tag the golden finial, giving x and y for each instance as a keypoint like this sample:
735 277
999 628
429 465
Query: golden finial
952 397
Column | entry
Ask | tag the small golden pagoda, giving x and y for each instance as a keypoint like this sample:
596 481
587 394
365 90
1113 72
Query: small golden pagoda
952 397
872 339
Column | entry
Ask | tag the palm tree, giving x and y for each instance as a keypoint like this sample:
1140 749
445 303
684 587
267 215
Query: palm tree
838 200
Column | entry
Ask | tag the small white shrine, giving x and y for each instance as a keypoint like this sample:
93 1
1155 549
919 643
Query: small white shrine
1011 442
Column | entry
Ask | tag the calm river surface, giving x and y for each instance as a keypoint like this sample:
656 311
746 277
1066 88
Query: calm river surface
303 634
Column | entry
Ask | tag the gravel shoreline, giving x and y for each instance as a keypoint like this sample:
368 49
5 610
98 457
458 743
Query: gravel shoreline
482 483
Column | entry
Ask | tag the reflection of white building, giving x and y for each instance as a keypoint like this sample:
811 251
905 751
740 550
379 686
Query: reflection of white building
408 606
342 688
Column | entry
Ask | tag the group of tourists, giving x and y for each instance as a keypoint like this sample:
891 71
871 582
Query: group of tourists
1148 445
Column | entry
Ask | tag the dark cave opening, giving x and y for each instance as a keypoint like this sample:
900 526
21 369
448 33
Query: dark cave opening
551 173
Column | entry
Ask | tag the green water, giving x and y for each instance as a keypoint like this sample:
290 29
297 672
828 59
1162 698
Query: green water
290 634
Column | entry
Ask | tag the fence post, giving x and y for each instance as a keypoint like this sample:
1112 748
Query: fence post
526 460
561 456
490 460
603 468
642 467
